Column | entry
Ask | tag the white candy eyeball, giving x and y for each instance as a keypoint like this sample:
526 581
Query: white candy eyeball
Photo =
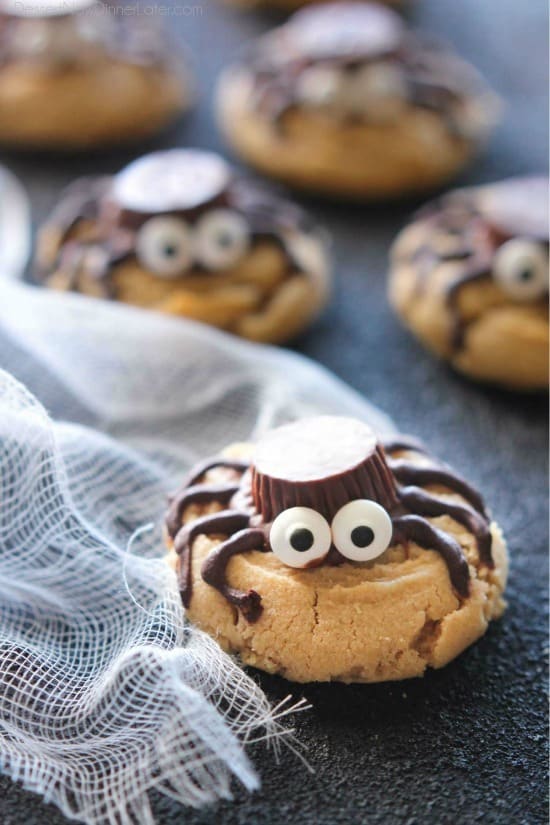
32 38
520 267
362 530
377 90
319 86
164 246
51 41
222 238
300 537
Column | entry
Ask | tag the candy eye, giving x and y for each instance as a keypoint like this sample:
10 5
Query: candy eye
300 537
32 38
378 90
222 238
164 246
521 268
362 530
319 86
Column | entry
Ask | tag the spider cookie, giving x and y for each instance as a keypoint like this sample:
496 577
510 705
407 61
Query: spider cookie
470 278
324 554
344 100
180 232
78 74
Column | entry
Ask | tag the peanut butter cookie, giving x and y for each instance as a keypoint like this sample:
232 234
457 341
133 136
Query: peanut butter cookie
81 74
344 100
324 554
179 232
470 278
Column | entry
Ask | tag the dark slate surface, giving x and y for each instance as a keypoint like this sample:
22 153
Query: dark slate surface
466 744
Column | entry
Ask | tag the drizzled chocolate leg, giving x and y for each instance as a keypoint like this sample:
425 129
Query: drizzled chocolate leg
213 464
426 535
191 492
423 503
224 522
453 291
403 442
407 472
183 570
215 565
426 258
197 494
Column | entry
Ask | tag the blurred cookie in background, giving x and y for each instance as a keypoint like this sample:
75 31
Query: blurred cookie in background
470 278
292 5
178 231
80 74
345 100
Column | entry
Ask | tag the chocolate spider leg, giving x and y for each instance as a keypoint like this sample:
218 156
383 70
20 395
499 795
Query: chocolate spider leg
183 571
212 464
422 503
81 202
73 260
225 522
100 262
104 270
426 535
197 494
400 442
426 258
215 565
180 499
469 276
409 473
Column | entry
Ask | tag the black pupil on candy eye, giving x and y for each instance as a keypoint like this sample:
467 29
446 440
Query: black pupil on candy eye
302 539
170 250
362 536
525 274
224 240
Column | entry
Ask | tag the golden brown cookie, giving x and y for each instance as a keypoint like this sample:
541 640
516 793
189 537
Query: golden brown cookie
80 74
470 278
344 100
179 232
323 554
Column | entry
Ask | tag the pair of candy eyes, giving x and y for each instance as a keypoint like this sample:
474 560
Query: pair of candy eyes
168 246
520 267
54 37
351 90
361 530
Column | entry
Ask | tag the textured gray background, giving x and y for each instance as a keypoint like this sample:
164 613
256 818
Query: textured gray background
466 744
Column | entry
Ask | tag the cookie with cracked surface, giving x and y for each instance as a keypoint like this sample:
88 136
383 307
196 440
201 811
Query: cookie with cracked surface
79 75
469 277
344 100
182 233
324 554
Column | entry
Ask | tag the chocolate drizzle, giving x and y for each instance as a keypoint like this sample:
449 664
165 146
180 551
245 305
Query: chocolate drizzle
474 274
263 491
214 566
417 500
222 522
193 493
409 472
425 534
